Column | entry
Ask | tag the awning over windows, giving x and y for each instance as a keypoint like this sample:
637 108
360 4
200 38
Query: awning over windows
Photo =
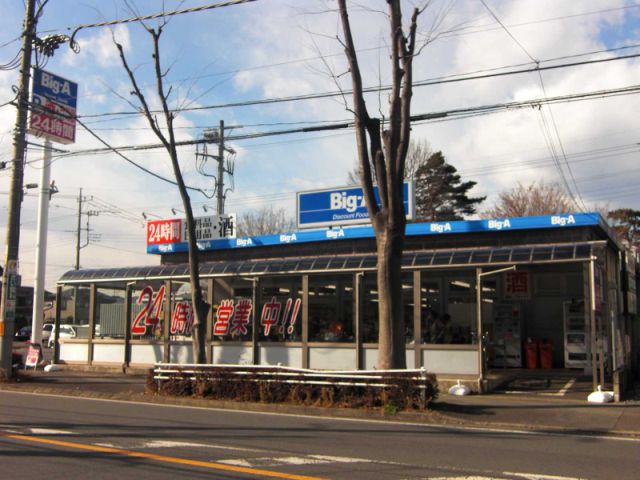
424 259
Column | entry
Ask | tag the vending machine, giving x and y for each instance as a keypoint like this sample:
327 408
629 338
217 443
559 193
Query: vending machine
576 335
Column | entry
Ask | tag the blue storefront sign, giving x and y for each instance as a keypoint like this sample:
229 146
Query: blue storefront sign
431 228
55 102
343 206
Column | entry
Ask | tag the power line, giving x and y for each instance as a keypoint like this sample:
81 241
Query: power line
495 17
201 8
545 128
144 169
423 83
425 117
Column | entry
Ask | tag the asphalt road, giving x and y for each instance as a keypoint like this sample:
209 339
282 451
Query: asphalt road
71 438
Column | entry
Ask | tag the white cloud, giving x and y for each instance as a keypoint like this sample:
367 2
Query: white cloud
98 47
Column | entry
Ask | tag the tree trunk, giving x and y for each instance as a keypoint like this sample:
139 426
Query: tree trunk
391 339
199 305
382 149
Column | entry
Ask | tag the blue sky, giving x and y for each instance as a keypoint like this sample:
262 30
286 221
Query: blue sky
275 48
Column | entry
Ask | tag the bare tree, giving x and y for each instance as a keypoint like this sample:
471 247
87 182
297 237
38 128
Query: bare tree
537 198
264 221
418 154
200 306
382 150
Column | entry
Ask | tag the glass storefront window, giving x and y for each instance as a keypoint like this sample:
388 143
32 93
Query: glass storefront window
233 309
148 310
331 308
74 312
279 317
182 315
370 307
110 319
430 305
457 323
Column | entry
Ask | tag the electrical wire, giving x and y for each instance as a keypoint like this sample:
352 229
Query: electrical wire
547 133
453 114
163 14
316 96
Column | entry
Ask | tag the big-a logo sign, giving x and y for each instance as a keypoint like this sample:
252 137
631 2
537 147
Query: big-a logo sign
53 114
343 206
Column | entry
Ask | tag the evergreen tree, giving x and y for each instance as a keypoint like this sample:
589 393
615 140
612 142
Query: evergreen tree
440 193
626 224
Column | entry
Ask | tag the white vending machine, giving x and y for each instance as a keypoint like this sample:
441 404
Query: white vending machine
576 335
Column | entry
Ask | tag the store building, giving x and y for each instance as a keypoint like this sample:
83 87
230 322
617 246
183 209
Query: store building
308 299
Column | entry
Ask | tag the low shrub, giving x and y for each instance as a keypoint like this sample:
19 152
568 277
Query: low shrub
401 391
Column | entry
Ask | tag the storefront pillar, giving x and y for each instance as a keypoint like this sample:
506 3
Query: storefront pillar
92 321
417 320
305 321
209 333
254 331
592 323
56 348
166 320
481 362
357 310
127 324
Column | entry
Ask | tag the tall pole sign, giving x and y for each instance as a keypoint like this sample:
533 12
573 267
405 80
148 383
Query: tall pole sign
54 100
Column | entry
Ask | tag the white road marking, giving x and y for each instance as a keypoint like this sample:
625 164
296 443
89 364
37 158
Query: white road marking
279 461
462 478
49 431
564 389
536 476
426 426
173 444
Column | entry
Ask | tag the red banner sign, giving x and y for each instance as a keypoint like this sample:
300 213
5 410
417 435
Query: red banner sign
164 231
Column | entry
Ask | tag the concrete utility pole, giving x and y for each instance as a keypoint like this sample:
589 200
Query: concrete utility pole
220 183
9 279
41 246
78 230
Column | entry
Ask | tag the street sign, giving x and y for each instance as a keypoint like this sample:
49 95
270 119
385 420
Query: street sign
174 230
343 206
54 101
33 356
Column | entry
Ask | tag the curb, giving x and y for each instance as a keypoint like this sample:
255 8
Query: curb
432 418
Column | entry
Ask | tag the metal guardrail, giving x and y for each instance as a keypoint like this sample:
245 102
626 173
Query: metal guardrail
260 373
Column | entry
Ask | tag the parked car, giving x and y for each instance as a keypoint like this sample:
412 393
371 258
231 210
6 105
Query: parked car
47 328
24 331
66 331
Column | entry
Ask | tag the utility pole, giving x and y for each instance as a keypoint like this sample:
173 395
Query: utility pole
78 230
220 183
211 135
9 278
41 246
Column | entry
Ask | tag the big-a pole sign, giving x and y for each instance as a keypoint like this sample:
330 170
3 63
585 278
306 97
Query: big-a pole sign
54 100
343 206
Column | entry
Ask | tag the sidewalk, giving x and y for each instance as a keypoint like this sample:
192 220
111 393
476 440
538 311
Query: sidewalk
498 410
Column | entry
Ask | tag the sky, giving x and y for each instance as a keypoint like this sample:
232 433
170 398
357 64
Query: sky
271 49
